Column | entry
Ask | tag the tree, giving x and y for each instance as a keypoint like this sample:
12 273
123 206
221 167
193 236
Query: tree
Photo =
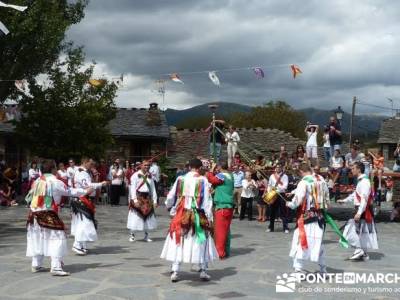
35 39
67 117
276 114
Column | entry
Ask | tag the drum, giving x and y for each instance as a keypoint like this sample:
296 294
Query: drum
270 197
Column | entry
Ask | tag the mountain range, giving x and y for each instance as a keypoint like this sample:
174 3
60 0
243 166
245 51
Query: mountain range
363 124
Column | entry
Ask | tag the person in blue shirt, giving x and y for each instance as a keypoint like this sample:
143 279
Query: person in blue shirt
238 177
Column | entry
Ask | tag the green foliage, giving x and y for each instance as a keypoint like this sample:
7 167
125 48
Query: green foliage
35 39
67 117
274 114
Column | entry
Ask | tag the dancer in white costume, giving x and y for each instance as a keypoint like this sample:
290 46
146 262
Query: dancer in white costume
83 223
189 239
360 231
308 236
46 235
143 201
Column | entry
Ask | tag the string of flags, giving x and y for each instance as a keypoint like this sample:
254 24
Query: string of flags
212 75
3 29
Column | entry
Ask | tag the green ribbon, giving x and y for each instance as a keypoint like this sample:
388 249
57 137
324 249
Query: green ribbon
201 236
342 241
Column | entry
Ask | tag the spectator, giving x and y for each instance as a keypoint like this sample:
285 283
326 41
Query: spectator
238 177
312 145
5 196
299 156
33 173
181 170
336 165
378 160
396 166
155 172
62 173
249 190
335 134
262 184
283 157
128 172
237 160
232 138
103 170
327 145
367 161
117 176
71 170
379 189
350 159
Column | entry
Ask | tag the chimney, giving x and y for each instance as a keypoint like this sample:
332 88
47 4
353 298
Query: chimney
153 106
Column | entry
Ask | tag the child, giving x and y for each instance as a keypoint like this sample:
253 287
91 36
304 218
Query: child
5 193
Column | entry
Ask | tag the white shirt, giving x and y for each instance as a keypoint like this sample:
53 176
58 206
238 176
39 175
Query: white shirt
34 173
191 180
336 162
84 180
155 172
62 174
248 190
137 185
327 143
282 186
59 189
361 195
232 138
71 174
303 192
312 139
117 176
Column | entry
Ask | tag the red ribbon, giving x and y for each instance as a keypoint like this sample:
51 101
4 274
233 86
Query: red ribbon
89 204
176 222
300 225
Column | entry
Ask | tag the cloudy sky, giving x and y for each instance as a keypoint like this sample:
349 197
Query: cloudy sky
344 48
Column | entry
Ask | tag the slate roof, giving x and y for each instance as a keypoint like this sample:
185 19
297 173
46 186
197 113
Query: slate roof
139 123
186 144
389 132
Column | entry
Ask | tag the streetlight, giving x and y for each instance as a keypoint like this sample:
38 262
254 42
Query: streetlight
339 113
213 108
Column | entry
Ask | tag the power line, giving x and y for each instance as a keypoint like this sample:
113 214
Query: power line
373 105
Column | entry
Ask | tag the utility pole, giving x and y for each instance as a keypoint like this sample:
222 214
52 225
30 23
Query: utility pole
353 112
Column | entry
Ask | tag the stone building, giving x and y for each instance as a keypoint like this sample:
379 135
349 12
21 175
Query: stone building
138 133
389 136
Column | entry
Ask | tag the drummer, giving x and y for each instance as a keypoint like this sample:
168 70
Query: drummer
278 181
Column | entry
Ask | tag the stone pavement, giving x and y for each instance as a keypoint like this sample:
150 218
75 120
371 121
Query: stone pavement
118 269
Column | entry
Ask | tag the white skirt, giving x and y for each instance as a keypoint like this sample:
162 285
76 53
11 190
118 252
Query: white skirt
314 235
361 235
82 228
44 241
189 251
136 223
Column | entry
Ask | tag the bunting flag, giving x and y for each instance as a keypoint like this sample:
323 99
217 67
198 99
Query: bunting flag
175 78
97 82
214 78
17 7
258 72
295 70
23 87
118 81
3 29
